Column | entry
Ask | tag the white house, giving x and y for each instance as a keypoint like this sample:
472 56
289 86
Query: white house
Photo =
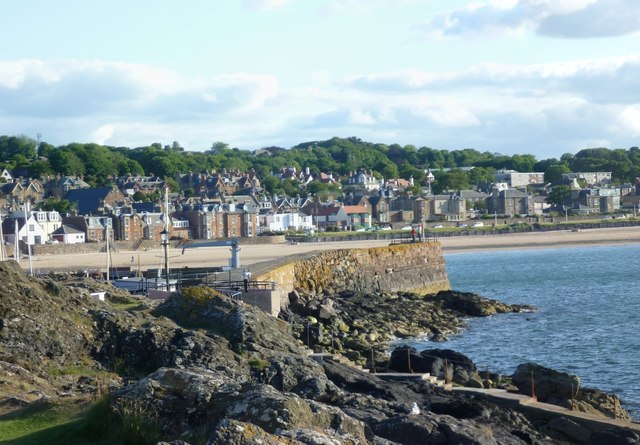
30 232
279 222
68 235
49 221
329 216
6 175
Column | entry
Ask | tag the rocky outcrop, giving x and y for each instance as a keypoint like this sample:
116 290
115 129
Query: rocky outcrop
563 389
359 324
202 368
445 364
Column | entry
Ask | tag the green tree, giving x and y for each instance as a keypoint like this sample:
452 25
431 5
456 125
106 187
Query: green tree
559 196
66 163
140 197
61 206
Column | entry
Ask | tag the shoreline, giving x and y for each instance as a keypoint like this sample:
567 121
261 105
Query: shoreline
541 240
251 254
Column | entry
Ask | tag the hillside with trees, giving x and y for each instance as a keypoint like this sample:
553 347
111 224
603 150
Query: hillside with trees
100 164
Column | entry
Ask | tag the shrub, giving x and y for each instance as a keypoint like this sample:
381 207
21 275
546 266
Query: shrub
258 364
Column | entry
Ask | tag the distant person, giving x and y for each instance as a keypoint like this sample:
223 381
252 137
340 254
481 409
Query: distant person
420 233
413 234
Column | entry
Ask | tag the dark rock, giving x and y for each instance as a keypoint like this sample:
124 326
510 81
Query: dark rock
618 436
549 385
564 389
473 305
274 411
568 429
461 409
411 431
442 363
233 432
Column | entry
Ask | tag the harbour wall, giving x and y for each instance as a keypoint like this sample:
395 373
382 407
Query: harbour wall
412 267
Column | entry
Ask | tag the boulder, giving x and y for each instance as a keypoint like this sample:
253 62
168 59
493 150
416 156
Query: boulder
549 385
437 362
275 411
233 432
568 430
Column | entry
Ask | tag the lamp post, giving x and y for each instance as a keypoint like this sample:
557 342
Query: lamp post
164 236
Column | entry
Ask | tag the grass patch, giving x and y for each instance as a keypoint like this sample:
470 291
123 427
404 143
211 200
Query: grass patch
257 364
81 371
126 303
38 423
80 423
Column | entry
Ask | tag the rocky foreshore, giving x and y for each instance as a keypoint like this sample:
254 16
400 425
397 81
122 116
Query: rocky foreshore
359 324
204 369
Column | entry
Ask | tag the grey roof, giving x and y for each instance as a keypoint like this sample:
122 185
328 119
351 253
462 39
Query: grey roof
472 194
66 230
87 201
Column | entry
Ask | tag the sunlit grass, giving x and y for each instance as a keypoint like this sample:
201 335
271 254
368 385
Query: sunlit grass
79 423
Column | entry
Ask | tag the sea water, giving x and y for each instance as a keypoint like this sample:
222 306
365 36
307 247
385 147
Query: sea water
587 318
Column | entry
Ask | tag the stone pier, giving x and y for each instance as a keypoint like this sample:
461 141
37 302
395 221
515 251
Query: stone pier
412 267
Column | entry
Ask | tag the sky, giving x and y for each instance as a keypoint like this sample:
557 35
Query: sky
543 77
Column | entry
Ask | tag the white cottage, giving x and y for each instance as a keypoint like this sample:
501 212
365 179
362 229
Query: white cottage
30 232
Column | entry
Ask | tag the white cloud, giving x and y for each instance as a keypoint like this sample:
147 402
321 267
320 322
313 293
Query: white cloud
564 19
263 5
545 109
102 134
630 118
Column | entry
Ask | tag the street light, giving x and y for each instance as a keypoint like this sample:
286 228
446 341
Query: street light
164 237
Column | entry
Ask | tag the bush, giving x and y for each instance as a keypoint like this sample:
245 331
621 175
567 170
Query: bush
257 364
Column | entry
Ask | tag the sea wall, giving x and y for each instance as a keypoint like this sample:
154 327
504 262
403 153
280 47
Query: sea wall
415 267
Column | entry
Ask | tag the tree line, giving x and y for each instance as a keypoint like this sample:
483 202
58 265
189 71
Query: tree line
100 164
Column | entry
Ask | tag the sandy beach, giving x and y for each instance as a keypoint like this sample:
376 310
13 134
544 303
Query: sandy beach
251 254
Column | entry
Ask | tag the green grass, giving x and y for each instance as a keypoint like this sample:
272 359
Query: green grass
79 424
38 424
80 370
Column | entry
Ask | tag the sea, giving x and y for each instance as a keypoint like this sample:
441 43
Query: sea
587 319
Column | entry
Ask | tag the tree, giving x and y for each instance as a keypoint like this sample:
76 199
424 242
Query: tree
559 196
270 184
218 147
66 163
480 175
61 206
553 173
140 197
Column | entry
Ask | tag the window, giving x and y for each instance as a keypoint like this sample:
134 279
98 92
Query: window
32 227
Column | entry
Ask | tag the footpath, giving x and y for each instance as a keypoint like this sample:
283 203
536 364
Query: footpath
525 404
530 406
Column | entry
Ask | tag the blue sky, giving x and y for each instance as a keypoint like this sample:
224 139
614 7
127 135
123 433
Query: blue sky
511 76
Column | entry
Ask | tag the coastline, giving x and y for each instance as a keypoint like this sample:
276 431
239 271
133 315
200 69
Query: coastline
541 240
251 254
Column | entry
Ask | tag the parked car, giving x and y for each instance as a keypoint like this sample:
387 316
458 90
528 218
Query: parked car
407 228
438 226
478 224
462 226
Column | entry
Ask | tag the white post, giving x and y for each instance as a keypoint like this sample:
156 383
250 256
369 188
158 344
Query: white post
26 223
108 252
16 246
3 255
